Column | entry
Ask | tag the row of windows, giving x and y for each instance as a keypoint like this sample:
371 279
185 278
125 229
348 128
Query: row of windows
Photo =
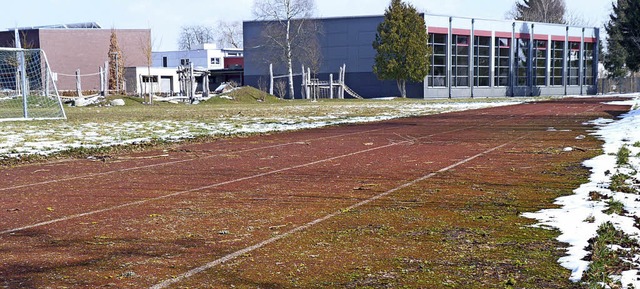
543 53
482 61
503 48
186 61
460 59
438 72
589 51
522 62
557 62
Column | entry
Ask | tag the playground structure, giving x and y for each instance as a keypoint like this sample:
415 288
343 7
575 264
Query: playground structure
194 86
314 88
190 88
193 82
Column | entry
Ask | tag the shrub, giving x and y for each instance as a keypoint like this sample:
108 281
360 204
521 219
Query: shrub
603 260
615 207
619 184
622 158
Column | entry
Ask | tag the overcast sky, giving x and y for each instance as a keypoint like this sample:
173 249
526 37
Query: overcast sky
165 17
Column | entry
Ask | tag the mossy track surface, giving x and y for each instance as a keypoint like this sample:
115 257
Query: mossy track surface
443 197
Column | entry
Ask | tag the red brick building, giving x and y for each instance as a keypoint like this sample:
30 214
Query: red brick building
83 46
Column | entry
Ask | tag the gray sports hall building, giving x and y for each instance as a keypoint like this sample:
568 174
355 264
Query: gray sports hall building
471 58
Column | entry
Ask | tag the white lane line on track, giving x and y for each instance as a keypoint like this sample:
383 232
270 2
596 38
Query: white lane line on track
70 217
188 160
241 252
177 162
192 159
140 202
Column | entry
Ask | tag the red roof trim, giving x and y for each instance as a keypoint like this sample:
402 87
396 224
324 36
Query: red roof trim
438 30
485 33
575 39
458 31
541 37
503 34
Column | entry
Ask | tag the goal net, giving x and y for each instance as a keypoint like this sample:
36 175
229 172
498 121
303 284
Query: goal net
27 89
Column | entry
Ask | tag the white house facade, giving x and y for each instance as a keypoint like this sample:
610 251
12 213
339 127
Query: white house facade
205 56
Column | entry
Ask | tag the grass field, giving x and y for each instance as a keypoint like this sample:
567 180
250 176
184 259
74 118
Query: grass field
249 111
250 102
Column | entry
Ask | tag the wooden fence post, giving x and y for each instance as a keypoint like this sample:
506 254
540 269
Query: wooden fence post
78 83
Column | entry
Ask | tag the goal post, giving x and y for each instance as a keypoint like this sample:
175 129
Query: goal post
27 87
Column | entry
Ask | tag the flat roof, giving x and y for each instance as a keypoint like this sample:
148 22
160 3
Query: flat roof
82 25
427 15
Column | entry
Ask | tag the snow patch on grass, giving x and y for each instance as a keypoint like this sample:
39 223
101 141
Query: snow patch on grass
17 140
580 215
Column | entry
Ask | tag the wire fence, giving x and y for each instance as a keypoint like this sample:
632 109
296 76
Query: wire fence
622 85
88 84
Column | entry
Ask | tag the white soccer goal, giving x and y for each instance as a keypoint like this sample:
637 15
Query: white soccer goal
27 90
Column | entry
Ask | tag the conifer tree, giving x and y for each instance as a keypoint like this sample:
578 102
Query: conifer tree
116 64
616 56
402 46
629 23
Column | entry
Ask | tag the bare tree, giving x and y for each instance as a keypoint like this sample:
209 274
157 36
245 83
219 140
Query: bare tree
574 18
286 22
310 54
281 88
547 11
147 50
192 35
262 85
229 34
21 42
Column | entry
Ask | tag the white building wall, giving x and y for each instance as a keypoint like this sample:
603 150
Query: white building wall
164 80
206 56
215 59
